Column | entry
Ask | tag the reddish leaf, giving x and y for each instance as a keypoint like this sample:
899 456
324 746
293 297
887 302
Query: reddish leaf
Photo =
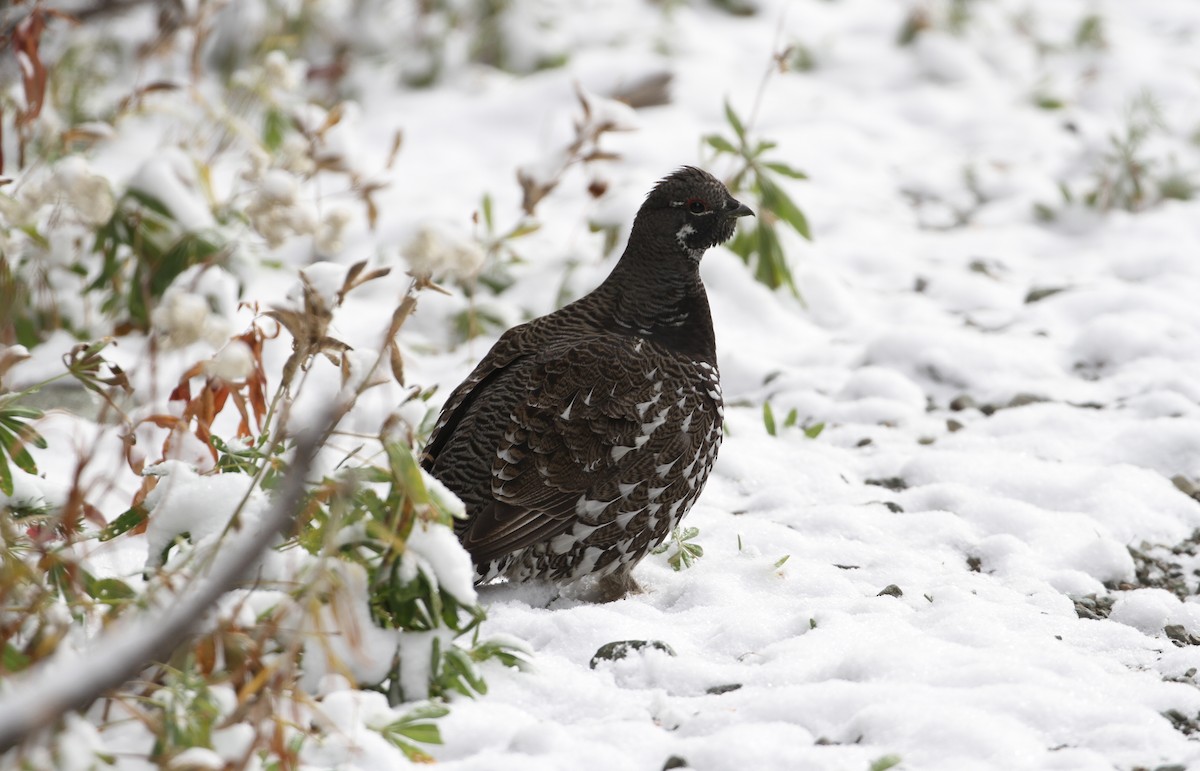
239 401
163 421
26 37
182 392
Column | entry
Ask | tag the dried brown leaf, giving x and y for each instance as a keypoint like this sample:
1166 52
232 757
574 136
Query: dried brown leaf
396 361
397 142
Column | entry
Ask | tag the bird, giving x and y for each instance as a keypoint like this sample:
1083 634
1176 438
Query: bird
583 437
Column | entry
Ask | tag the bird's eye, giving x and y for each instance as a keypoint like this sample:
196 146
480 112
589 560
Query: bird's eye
696 206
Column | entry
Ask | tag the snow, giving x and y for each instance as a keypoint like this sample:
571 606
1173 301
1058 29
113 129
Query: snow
437 554
170 177
201 506
990 516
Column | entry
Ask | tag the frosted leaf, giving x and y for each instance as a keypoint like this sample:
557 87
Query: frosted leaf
444 496
343 637
416 653
186 502
442 556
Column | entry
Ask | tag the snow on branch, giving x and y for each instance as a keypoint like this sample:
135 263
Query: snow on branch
65 682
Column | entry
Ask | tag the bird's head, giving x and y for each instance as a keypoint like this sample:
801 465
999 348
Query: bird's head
692 207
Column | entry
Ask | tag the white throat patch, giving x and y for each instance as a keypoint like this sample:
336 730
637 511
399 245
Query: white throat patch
683 233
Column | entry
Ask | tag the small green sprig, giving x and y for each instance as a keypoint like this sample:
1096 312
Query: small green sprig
759 245
685 552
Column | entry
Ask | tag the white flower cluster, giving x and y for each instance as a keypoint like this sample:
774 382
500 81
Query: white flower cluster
83 195
277 213
197 307
275 208
184 318
441 250
278 74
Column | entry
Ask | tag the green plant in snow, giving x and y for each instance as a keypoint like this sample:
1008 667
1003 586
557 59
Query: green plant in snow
376 508
952 16
811 430
1090 33
143 248
184 712
884 762
500 255
1126 176
758 244
416 726
357 522
15 433
684 553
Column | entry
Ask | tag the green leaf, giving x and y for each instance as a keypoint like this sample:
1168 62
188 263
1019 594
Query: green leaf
735 122
523 229
793 417
688 533
16 411
785 170
486 207
6 480
780 562
406 471
130 519
720 144
762 146
275 126
14 446
884 763
429 711
769 418
771 267
778 201
108 590
415 726
12 659
813 431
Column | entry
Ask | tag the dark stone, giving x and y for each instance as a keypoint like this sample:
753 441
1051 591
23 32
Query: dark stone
619 649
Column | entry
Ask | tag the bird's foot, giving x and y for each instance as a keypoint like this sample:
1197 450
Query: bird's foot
615 586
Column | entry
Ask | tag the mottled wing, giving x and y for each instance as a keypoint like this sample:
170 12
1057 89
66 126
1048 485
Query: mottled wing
566 466
508 349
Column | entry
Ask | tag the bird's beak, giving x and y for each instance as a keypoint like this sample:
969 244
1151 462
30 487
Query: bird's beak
739 210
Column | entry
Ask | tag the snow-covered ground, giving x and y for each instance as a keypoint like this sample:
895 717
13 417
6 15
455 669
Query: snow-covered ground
942 576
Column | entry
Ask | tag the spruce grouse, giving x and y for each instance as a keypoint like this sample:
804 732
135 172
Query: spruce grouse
584 436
